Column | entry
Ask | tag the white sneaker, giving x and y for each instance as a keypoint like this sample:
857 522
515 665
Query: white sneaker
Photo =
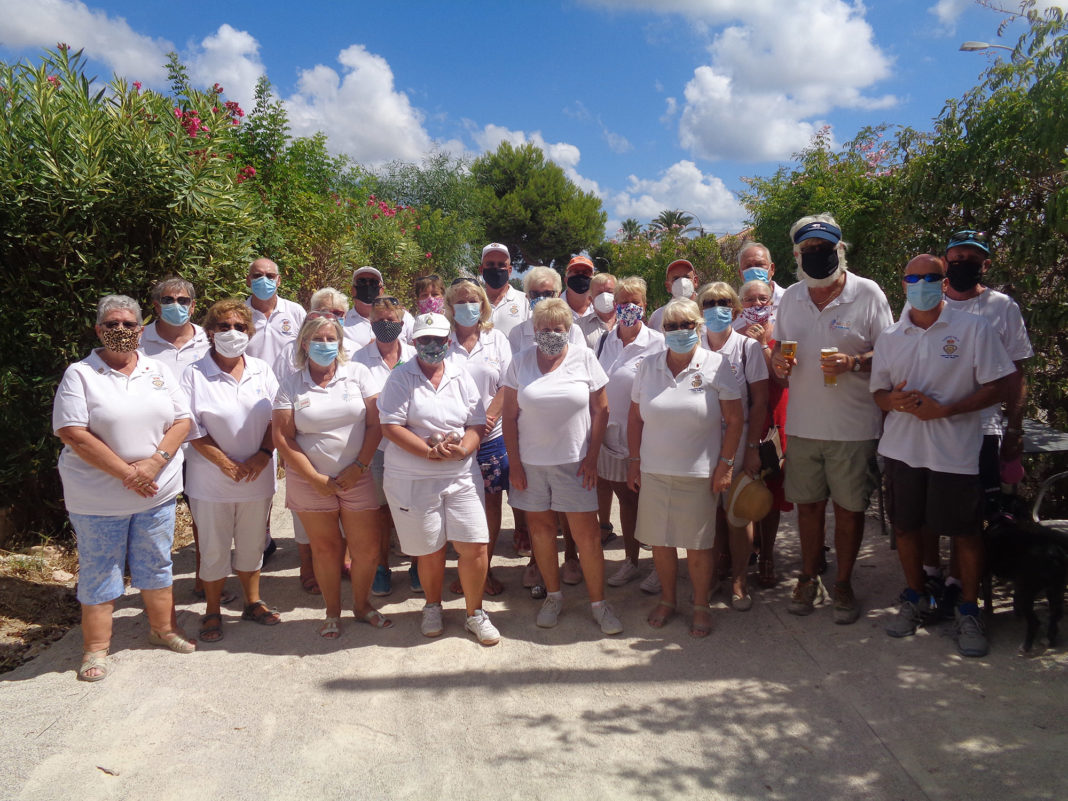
628 571
607 619
549 612
432 626
479 625
651 584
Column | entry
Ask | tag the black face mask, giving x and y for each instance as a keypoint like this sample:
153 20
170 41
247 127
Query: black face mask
495 277
579 284
365 293
819 263
964 275
386 330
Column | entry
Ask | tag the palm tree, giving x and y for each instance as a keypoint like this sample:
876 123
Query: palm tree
672 221
631 229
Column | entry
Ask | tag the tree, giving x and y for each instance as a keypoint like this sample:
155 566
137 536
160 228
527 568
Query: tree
672 221
631 229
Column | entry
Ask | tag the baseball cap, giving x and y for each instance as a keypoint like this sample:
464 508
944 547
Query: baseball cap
975 239
581 260
367 271
496 247
431 325
819 230
679 263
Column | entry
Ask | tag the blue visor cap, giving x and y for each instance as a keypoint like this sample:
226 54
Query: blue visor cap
974 239
819 230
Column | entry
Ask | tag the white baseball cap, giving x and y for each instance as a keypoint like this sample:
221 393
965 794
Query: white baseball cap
367 271
496 247
431 325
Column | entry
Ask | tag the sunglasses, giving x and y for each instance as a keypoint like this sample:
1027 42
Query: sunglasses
494 264
242 327
111 325
548 294
687 325
167 300
385 300
272 276
965 237
711 304
463 280
930 278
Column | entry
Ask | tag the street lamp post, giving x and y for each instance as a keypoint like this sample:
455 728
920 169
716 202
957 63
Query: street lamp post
972 47
700 225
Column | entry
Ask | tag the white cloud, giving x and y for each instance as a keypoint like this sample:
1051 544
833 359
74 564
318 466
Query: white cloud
230 58
563 154
110 40
949 11
360 111
617 143
680 186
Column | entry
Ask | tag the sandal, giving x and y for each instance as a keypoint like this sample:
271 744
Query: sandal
607 533
226 597
330 629
374 618
658 619
259 612
701 630
174 640
94 660
209 632
766 577
310 586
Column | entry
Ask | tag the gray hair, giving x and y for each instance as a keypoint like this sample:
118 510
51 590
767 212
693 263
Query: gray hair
540 274
171 284
750 246
110 303
309 329
825 217
679 309
328 296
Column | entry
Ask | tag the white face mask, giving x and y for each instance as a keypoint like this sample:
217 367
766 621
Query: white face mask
604 302
682 288
230 344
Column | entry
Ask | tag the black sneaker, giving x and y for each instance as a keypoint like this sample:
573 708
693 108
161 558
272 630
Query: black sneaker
947 604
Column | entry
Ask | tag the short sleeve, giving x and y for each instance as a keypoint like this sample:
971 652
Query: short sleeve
186 382
514 338
369 386
991 360
476 409
393 400
756 369
505 351
880 369
882 317
287 392
1017 343
640 379
597 377
511 375
725 382
70 407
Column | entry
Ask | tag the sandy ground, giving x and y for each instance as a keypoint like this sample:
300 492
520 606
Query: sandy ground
770 706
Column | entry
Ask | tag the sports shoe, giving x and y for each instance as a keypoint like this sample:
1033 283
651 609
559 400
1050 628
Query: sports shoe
846 607
413 579
383 583
628 571
607 619
572 572
432 625
807 593
479 625
521 542
651 583
909 617
971 640
550 612
531 575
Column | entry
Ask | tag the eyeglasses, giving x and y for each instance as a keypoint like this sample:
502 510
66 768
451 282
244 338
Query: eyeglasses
111 325
968 237
930 278
167 300
761 301
385 300
685 325
242 327
712 303
333 314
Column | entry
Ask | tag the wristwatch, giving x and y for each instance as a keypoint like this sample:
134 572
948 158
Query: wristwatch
856 364
166 456
729 462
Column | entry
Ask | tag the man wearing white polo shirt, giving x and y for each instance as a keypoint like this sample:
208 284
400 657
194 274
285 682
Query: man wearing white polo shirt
510 307
755 264
577 279
367 284
933 373
172 339
680 279
831 421
276 319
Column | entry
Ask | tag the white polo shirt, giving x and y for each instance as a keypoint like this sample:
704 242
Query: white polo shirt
274 332
358 328
948 361
371 358
331 421
283 362
620 364
130 414
554 407
235 415
487 363
409 399
174 359
512 309
683 423
852 322
522 336
746 369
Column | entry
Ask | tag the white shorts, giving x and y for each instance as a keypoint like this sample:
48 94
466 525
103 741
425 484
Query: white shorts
427 512
220 525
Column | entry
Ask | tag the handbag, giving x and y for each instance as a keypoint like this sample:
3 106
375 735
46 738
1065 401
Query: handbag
771 454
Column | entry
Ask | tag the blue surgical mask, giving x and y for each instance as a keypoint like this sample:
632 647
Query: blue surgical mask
681 341
264 287
322 353
534 301
174 313
924 296
467 314
718 318
755 274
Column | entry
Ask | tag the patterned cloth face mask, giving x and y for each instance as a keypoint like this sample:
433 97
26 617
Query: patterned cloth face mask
628 314
551 343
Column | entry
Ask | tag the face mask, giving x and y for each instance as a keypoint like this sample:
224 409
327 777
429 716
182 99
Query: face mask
755 274
430 351
604 302
230 344
820 266
718 318
495 277
120 340
534 302
366 293
322 353
682 288
757 315
432 305
579 284
628 314
386 330
681 341
923 296
174 313
964 275
551 343
467 314
264 288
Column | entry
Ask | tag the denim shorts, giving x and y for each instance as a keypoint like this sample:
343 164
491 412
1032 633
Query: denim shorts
493 462
107 543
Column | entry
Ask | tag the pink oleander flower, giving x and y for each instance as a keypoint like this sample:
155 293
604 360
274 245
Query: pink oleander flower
52 79
217 89
137 86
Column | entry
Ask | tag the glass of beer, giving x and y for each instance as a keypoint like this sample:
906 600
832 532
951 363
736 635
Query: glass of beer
829 379
789 348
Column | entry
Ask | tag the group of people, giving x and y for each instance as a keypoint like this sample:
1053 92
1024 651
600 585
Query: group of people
567 395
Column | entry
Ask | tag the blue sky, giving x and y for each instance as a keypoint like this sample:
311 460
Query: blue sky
652 105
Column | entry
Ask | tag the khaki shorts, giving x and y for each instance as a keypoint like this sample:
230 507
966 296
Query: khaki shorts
845 472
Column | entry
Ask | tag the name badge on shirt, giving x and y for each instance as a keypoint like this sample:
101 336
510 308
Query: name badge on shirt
841 325
303 402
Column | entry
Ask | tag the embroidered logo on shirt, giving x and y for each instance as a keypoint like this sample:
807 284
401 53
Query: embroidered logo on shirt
950 346
841 325
287 327
514 309
157 381
698 383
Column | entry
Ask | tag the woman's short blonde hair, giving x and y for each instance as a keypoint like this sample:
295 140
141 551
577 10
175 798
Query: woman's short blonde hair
599 281
311 327
226 307
328 297
633 285
538 275
386 304
458 286
720 290
552 312
680 310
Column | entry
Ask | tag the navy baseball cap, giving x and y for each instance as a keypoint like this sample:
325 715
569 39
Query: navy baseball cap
819 230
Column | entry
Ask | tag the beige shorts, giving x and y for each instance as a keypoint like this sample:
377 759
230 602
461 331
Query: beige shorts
220 525
676 511
845 472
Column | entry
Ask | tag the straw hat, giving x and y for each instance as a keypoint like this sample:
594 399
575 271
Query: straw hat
748 499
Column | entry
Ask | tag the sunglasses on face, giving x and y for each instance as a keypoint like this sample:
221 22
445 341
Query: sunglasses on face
967 237
111 325
272 276
930 278
548 294
367 282
385 300
501 264
686 325
167 300
242 327
711 304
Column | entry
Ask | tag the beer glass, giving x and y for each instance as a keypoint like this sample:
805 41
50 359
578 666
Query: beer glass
829 379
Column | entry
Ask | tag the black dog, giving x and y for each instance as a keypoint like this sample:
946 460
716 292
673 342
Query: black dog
1034 557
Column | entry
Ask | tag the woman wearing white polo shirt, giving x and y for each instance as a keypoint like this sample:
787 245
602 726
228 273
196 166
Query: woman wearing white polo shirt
122 419
326 428
680 402
540 283
555 413
433 417
230 477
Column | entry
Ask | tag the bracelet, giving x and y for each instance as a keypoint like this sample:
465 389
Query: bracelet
360 465
264 450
